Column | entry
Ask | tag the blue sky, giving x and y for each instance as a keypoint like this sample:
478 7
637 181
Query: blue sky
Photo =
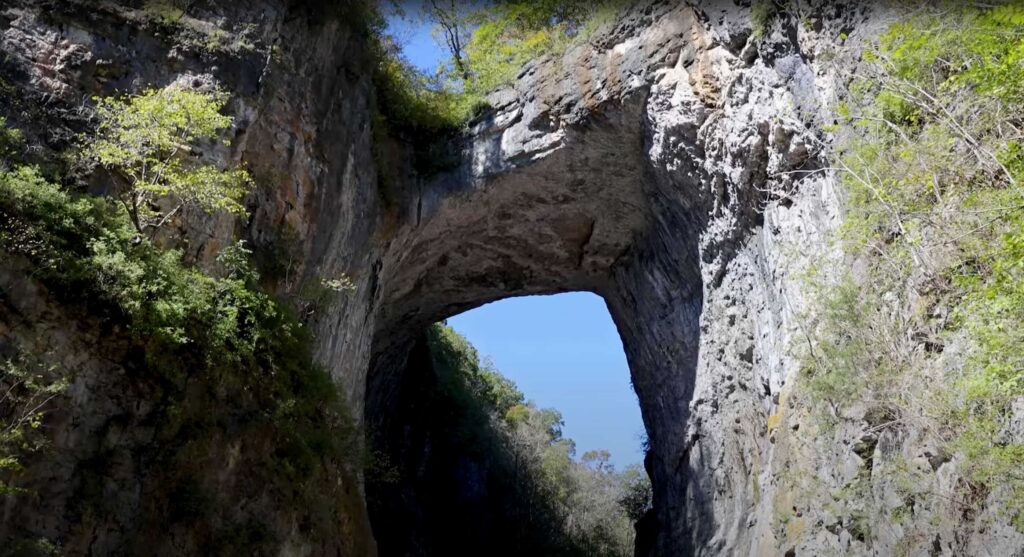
416 39
563 351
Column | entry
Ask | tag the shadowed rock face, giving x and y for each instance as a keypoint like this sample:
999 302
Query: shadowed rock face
670 164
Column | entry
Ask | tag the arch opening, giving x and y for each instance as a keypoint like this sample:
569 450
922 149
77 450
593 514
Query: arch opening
564 352
467 457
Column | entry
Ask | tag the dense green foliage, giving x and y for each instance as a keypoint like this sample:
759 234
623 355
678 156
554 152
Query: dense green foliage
11 142
83 244
497 40
509 34
222 363
933 166
146 140
408 101
415 113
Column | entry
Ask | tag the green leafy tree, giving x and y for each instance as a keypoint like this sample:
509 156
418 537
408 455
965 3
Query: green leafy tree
509 34
599 460
26 395
148 141
11 143
636 492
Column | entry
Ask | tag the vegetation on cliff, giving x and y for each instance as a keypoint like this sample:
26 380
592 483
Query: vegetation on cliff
223 366
417 113
926 328
145 140
489 45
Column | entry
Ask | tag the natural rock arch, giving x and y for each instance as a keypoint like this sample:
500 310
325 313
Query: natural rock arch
580 217
558 191
636 168
632 166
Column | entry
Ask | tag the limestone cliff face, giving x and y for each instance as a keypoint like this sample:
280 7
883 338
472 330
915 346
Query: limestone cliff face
673 164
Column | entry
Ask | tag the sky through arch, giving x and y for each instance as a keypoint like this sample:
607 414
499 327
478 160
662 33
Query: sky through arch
564 352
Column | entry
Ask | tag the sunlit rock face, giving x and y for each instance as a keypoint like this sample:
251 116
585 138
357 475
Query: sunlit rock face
672 164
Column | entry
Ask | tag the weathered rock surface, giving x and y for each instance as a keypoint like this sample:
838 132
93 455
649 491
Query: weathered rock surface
672 164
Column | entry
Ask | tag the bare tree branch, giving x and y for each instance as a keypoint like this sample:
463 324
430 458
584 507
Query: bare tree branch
446 14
